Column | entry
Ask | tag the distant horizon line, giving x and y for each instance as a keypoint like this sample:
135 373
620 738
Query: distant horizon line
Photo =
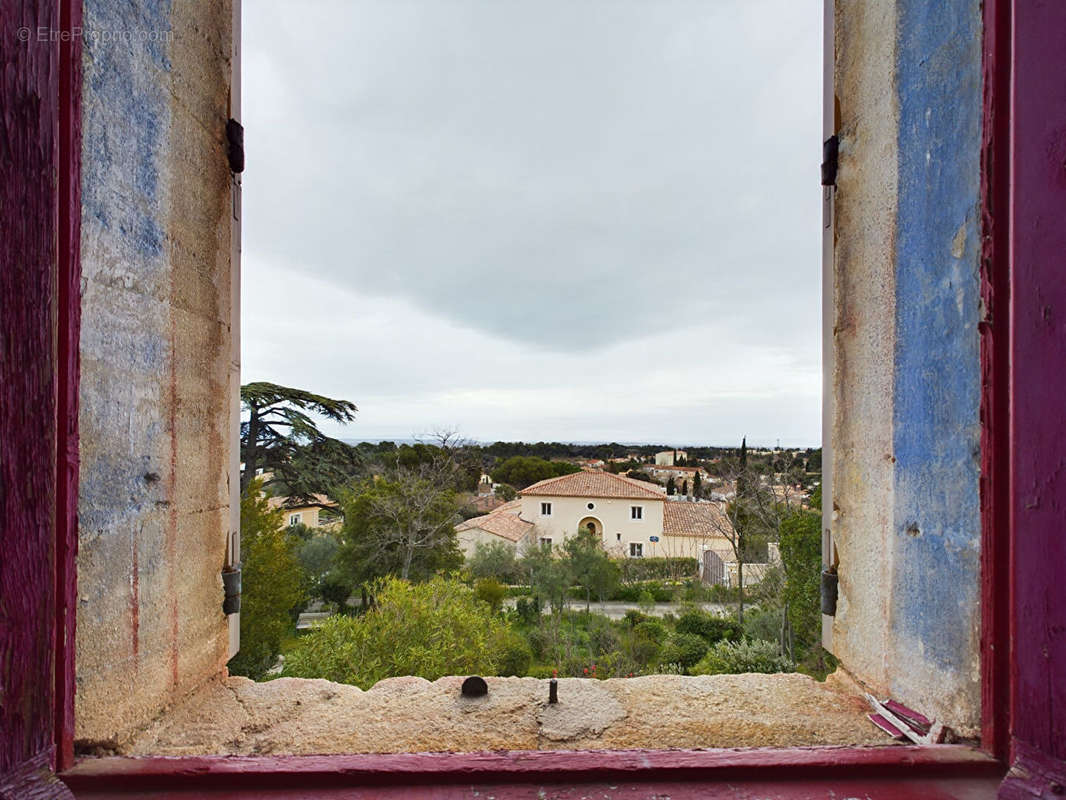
579 442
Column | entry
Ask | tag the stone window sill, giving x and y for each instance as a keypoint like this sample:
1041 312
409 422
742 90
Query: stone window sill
292 716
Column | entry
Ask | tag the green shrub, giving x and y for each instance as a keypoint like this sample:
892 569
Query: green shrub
646 600
801 554
763 624
491 591
723 594
273 587
493 560
658 591
707 626
513 654
685 649
335 588
429 629
652 630
642 569
539 642
645 652
528 610
634 617
746 656
602 638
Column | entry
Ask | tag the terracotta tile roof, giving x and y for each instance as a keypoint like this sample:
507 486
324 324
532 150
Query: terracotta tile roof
705 520
503 522
321 500
487 503
596 484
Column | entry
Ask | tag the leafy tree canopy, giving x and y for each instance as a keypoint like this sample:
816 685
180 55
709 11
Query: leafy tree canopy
281 436
523 471
402 525
272 585
801 554
589 566
493 560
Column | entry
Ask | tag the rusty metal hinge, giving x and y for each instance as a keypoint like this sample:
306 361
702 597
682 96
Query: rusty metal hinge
235 145
231 583
830 151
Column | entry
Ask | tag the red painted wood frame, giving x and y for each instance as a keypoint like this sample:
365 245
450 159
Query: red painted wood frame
40 214
1023 491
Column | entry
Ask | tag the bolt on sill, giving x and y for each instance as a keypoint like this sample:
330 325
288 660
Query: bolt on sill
237 716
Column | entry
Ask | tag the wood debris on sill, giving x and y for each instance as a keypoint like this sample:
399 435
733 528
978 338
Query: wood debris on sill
901 722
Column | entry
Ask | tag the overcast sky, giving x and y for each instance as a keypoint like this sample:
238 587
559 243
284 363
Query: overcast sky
529 219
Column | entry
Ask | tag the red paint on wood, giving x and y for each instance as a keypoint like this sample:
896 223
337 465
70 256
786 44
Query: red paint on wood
995 384
68 332
135 600
1038 386
28 167
172 516
33 780
880 788
438 769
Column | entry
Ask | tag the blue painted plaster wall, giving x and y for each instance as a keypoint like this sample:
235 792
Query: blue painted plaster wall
936 537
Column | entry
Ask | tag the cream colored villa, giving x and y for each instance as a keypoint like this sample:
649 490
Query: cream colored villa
634 519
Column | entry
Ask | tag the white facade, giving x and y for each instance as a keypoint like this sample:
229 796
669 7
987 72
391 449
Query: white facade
665 458
614 517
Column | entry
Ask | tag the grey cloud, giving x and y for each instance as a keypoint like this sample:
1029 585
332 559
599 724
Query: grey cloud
566 174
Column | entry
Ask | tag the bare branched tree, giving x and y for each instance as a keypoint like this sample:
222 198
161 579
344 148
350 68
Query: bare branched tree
752 515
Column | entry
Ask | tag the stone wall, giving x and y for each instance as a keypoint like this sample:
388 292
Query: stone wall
155 353
905 506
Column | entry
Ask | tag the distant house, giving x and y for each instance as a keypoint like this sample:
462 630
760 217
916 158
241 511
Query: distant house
633 519
679 474
322 513
589 463
670 458
504 524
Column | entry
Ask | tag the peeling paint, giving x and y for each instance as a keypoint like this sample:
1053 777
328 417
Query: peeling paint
155 355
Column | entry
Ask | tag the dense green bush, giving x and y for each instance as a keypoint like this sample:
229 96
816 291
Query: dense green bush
634 617
668 569
651 629
540 641
685 649
801 553
763 624
658 592
274 583
513 654
430 629
493 560
602 638
527 610
745 656
491 591
707 626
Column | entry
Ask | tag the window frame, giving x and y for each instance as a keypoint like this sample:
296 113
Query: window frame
636 513
545 509
636 549
1006 662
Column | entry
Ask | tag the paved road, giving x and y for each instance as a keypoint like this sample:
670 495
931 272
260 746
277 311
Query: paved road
611 610
615 610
